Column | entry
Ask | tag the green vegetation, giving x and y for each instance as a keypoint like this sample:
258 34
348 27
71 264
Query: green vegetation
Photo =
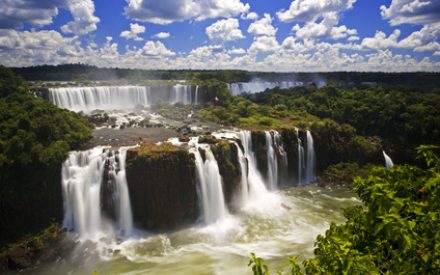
403 119
423 81
343 173
35 137
395 232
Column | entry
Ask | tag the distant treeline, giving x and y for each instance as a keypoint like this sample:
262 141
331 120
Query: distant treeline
422 81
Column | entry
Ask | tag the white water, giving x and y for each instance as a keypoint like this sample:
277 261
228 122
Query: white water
244 175
260 86
310 164
301 163
388 161
272 162
87 99
82 176
181 94
208 175
108 98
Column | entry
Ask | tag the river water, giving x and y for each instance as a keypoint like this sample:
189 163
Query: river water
271 230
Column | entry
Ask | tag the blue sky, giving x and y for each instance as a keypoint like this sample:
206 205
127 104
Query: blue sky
281 35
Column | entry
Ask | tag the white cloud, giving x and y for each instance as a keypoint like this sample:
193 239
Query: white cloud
381 41
133 33
423 40
84 20
168 11
225 30
262 26
353 38
250 16
321 18
264 44
156 49
162 35
412 11
237 51
13 13
311 10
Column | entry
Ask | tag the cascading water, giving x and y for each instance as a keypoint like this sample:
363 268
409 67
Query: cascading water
257 188
272 161
301 162
87 99
82 178
260 86
310 164
108 98
210 180
388 161
244 175
181 94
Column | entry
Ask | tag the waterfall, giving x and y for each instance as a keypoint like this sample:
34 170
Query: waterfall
272 161
108 98
244 175
388 161
87 99
257 188
181 94
82 180
196 96
260 86
310 164
301 162
210 180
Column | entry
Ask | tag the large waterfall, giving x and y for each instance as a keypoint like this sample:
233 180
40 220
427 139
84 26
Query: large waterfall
256 86
87 99
83 182
210 180
104 98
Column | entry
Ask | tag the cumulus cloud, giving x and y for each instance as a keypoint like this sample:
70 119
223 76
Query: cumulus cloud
168 11
14 13
84 20
133 33
311 10
262 27
156 49
225 30
320 17
423 40
250 16
162 35
264 44
412 11
237 51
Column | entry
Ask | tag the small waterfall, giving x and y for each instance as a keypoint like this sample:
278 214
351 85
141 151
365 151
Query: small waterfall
213 202
388 161
301 162
181 94
82 178
310 164
272 161
244 175
257 188
87 99
260 86
196 96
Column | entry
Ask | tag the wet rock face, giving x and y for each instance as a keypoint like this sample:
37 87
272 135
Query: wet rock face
226 155
108 187
290 142
260 150
162 187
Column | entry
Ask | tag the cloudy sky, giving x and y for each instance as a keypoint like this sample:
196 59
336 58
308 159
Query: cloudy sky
263 35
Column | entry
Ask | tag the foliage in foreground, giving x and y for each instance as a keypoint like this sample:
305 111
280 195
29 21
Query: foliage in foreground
396 232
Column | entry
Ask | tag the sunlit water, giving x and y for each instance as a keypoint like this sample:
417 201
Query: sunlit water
272 232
